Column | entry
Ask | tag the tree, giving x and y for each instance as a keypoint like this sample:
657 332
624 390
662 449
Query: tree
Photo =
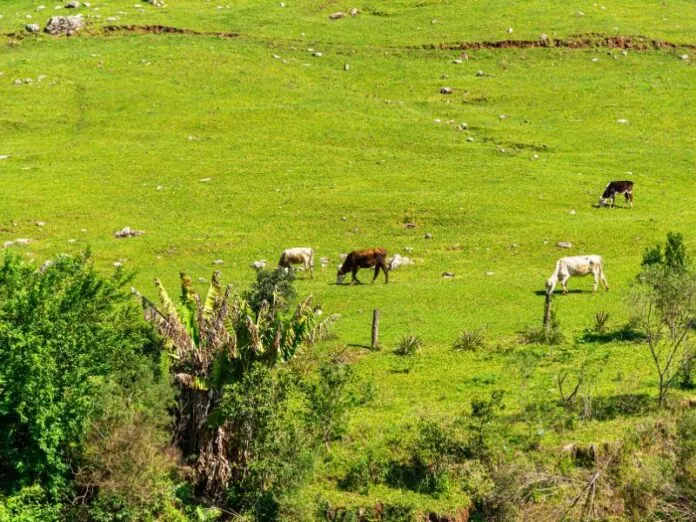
65 334
665 302
214 344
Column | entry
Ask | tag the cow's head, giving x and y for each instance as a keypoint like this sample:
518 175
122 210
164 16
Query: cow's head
340 276
550 282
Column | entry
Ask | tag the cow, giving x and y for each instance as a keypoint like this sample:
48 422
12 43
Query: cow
617 187
567 267
372 257
298 256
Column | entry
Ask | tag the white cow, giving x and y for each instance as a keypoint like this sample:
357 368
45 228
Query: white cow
567 267
298 256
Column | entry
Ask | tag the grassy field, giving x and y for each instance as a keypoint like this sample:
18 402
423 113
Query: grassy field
122 130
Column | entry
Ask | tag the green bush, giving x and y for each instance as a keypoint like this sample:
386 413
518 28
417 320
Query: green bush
276 287
408 345
65 333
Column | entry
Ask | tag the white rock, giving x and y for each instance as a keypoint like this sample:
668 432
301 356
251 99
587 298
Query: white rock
318 54
448 275
337 15
470 138
572 212
622 121
479 73
128 232
204 180
354 11
72 241
218 262
40 223
32 28
684 57
446 90
490 274
564 244
4 156
509 30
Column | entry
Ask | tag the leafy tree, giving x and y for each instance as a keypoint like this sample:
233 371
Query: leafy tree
214 344
665 302
65 333
274 287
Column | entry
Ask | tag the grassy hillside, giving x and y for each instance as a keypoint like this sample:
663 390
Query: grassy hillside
123 129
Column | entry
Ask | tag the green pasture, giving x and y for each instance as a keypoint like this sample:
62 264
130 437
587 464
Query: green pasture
122 130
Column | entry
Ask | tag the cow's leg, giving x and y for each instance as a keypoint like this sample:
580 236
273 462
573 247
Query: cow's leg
355 277
386 273
629 197
564 283
595 276
376 272
604 279
613 200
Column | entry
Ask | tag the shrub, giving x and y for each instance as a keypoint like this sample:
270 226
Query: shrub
408 345
469 341
65 332
329 401
275 287
601 319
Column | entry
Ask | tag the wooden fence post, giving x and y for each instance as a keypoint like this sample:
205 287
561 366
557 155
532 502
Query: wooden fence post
375 329
547 312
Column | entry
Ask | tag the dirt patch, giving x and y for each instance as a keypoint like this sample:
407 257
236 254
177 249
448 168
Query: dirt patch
585 41
162 29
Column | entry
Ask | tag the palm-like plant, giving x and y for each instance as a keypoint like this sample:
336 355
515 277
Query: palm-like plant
213 343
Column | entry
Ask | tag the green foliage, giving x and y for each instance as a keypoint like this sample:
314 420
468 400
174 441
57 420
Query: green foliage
675 257
65 333
470 341
328 400
30 504
408 345
600 321
274 287
540 335
277 454
480 423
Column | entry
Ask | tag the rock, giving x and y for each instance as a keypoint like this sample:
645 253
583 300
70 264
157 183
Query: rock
354 11
202 279
128 232
281 4
408 249
463 126
346 67
564 244
259 265
44 266
32 28
218 262
543 37
490 274
595 60
40 8
572 212
344 218
448 275
277 57
64 25
398 261
41 77
73 4
410 225
457 61
509 30
684 57
72 241
117 264
446 90
437 120
480 73
515 245
40 223
337 16
4 156
18 82
470 138
204 180
22 241
622 121
318 54
428 235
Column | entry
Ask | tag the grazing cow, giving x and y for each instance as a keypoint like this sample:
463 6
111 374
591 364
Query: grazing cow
567 267
372 257
298 256
614 188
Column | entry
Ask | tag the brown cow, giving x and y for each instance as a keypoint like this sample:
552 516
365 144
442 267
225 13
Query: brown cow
372 257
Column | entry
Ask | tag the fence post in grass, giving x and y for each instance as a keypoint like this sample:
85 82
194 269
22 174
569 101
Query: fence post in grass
375 329
547 312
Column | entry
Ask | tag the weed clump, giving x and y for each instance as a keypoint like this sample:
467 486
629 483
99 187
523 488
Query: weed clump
469 341
409 345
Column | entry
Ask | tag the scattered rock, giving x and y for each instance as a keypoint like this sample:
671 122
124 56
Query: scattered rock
572 212
490 274
428 235
128 232
509 30
64 25
337 16
318 54
515 245
44 266
72 241
448 275
32 28
202 279
41 77
259 265
564 244
457 61
622 121
344 218
470 138
73 4
40 8
18 82
354 11
446 90
346 67
4 156
408 249
410 225
118 264
40 223
480 73
204 180
684 57
398 261
22 241
218 262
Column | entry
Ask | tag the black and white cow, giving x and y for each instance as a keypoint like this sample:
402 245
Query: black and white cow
614 188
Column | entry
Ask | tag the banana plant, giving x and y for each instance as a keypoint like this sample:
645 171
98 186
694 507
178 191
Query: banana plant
213 342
